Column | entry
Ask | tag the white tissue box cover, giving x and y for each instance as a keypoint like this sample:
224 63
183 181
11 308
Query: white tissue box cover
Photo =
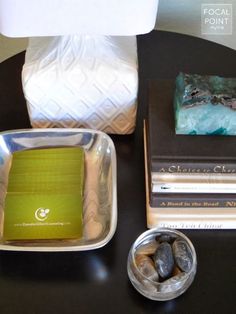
28 18
82 81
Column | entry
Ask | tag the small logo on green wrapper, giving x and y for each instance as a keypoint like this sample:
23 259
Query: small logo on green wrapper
41 214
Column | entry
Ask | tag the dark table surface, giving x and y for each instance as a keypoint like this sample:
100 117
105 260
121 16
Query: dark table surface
72 282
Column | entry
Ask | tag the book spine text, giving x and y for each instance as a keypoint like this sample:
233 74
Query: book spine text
167 201
197 224
184 166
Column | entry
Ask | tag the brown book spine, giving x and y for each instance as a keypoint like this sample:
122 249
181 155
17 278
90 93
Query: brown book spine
192 200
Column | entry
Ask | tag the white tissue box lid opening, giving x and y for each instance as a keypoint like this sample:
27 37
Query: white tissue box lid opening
24 18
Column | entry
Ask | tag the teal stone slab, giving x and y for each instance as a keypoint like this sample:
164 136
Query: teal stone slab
205 105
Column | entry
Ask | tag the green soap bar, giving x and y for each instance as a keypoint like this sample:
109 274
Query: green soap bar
30 217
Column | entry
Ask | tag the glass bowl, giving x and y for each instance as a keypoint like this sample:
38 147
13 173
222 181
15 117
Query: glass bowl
162 264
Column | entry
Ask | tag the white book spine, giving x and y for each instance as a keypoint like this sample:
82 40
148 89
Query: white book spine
158 177
203 223
191 218
182 187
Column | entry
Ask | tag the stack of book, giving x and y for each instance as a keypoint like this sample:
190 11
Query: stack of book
190 179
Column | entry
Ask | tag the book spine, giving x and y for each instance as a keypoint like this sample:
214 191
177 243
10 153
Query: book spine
158 177
182 187
170 166
199 218
193 201
163 222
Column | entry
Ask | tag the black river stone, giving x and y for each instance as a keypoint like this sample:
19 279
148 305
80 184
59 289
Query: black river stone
164 260
166 238
182 255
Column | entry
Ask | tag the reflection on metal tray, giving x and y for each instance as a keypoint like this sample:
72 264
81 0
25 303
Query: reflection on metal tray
100 199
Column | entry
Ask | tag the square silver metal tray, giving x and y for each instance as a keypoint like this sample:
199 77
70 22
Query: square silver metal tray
100 194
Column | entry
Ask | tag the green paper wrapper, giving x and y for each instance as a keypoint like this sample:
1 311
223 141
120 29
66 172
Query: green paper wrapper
45 194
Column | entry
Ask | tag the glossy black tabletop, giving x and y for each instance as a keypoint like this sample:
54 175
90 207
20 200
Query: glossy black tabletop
97 281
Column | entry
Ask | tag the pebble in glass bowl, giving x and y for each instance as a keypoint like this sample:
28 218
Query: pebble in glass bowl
162 264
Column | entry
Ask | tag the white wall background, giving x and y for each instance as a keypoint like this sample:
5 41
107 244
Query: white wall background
11 46
182 16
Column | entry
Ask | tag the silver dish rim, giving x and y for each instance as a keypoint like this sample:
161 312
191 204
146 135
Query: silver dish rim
114 215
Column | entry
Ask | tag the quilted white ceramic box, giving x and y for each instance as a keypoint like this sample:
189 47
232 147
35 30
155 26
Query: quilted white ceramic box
82 81
79 80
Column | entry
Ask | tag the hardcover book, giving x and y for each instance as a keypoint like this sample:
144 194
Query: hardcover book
193 183
189 200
